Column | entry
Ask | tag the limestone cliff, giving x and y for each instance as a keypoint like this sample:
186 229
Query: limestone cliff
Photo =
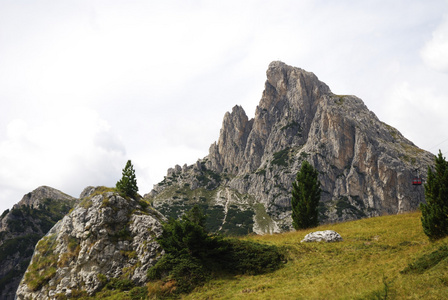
21 228
104 237
366 166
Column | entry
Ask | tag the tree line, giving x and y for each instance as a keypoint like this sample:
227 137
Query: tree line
306 193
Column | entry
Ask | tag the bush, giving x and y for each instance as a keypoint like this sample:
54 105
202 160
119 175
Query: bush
138 293
427 261
281 158
4 214
120 284
192 256
244 257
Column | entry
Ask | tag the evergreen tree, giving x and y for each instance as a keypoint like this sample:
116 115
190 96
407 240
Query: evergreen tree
435 211
127 185
305 198
192 256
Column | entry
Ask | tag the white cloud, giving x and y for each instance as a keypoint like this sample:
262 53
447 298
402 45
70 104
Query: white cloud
419 113
435 52
72 148
86 85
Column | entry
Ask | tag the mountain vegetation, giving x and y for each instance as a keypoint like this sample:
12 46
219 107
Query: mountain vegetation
193 256
127 185
305 198
22 227
106 241
435 210
365 167
114 244
386 257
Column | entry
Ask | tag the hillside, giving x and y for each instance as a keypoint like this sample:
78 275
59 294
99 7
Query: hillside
103 238
244 184
22 227
368 264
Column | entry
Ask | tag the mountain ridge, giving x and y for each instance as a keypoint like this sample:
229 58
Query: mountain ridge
105 237
366 166
22 227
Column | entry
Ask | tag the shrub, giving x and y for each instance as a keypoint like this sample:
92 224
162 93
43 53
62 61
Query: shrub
120 284
245 257
192 256
427 261
138 293
281 158
4 214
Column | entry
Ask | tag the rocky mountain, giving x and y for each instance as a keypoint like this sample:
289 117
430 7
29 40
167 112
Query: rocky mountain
105 240
365 166
21 228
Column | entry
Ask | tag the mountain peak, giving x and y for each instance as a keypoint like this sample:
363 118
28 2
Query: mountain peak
365 166
41 193
105 236
21 228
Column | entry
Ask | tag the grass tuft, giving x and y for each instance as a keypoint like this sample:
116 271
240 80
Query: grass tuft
427 261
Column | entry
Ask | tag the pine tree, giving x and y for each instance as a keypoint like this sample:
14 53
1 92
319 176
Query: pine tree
435 211
305 198
127 185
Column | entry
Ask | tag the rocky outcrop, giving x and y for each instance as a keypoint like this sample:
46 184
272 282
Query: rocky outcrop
104 237
365 166
37 197
21 228
328 236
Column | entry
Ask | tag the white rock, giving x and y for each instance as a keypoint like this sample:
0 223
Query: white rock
322 236
120 239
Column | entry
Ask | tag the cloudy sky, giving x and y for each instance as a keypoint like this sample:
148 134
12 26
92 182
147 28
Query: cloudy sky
87 85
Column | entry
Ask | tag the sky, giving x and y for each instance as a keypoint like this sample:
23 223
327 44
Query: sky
86 85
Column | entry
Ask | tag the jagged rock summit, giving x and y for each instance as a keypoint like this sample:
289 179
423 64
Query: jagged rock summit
21 228
104 237
365 166
38 196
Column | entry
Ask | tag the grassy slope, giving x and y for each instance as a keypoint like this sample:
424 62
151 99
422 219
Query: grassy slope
365 266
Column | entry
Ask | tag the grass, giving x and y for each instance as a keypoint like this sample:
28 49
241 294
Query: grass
44 264
366 265
385 257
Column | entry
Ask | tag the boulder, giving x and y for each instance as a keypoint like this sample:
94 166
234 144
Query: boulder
322 236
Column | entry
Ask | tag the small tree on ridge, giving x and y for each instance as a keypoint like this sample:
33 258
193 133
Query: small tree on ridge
127 185
305 198
435 211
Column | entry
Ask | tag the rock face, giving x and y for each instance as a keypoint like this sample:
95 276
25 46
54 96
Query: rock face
105 236
328 236
365 166
21 228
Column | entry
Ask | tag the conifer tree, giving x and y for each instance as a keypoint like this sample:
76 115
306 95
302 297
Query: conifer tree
435 211
305 198
127 185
